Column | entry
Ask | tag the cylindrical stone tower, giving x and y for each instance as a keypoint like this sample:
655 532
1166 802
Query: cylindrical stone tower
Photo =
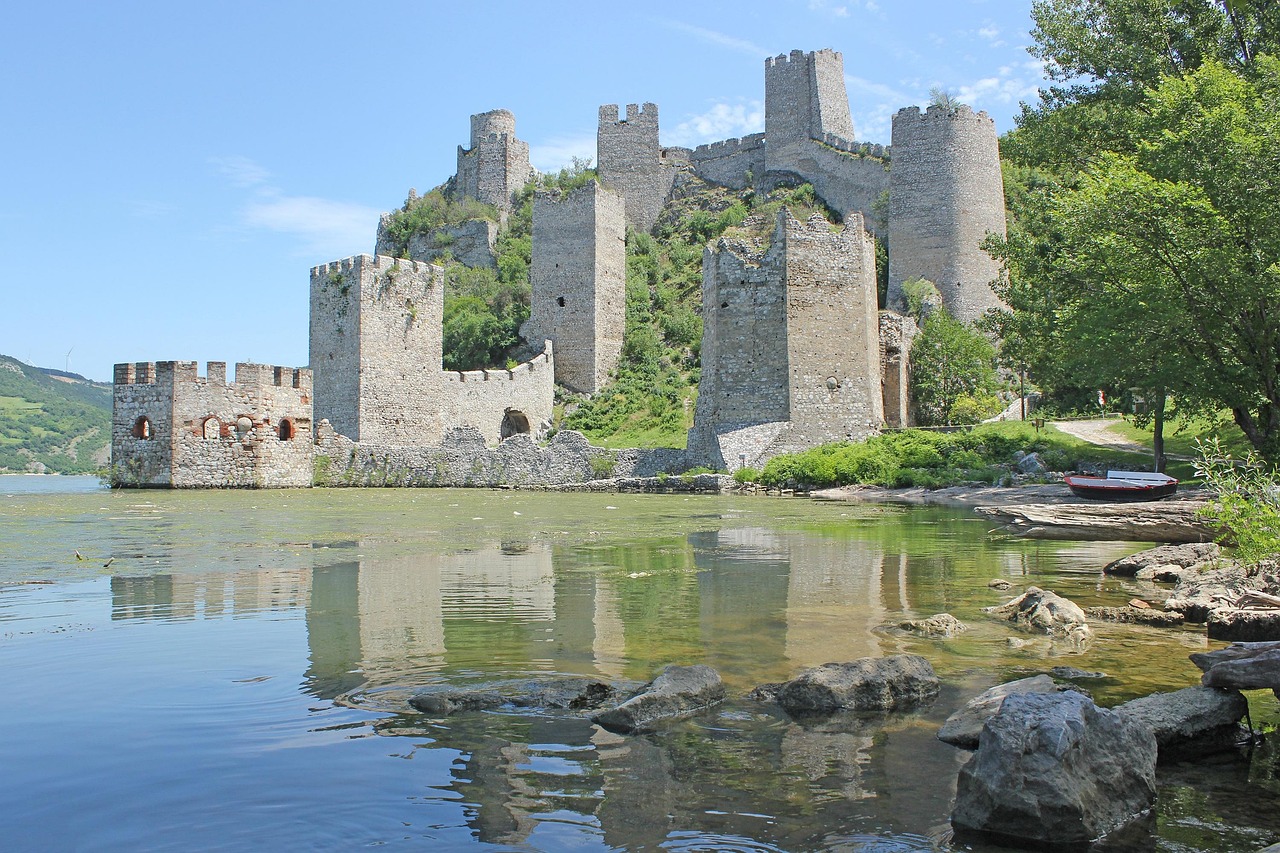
946 194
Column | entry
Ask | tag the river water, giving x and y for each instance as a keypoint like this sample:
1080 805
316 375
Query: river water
229 670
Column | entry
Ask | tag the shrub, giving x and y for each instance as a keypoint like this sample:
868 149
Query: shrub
746 475
1246 501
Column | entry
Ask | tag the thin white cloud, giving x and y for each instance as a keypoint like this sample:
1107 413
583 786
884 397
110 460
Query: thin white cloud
991 35
556 153
241 171
878 90
718 38
327 228
721 121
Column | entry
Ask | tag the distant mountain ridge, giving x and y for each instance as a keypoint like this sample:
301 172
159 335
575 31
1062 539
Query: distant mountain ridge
52 421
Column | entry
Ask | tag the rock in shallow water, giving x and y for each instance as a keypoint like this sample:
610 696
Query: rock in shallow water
1242 666
870 685
678 691
1046 611
1056 768
570 693
1181 556
942 626
1191 722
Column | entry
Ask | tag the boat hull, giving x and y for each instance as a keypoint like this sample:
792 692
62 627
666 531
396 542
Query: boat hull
1106 489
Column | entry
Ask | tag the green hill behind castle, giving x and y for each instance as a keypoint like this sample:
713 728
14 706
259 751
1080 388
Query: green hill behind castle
52 421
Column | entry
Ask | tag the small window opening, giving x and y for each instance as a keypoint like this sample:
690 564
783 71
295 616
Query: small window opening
724 304
286 429
212 428
560 301
142 427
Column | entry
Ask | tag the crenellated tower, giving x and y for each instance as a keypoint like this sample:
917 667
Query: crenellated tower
946 193
376 348
804 98
632 161
496 166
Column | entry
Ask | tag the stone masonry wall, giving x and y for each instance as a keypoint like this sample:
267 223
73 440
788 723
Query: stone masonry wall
630 160
578 280
897 333
849 183
734 163
142 425
790 350
804 98
502 403
833 332
206 432
376 348
497 163
946 195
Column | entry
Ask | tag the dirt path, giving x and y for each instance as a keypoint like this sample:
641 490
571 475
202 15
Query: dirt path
1099 432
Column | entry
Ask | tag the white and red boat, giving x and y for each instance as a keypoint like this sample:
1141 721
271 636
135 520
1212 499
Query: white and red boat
1123 486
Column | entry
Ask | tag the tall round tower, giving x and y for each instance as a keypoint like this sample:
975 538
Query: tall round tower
946 194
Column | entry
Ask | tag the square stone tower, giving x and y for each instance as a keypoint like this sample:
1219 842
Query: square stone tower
804 98
376 348
631 161
578 276
791 344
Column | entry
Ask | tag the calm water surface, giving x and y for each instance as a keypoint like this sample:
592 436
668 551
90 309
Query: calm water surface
229 670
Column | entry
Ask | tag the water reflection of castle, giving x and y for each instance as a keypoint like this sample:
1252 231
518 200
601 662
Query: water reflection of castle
756 604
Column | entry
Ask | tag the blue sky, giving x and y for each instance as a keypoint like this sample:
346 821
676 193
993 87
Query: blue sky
171 171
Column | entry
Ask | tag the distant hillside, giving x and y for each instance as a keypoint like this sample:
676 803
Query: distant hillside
51 420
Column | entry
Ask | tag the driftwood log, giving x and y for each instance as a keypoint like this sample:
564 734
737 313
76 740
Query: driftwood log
1154 521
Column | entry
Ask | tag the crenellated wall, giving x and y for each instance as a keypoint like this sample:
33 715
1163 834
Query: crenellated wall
578 280
946 195
172 427
502 403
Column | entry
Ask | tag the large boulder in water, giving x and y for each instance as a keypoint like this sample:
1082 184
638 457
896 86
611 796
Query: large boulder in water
677 692
1242 666
1042 610
1191 722
867 685
964 727
1054 768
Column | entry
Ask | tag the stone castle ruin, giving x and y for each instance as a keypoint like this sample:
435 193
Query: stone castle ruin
795 350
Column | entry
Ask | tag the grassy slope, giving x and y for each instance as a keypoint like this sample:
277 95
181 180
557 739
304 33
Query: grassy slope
61 420
1181 435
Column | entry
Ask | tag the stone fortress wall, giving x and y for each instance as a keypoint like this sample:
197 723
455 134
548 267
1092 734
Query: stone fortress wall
376 347
172 427
794 351
578 280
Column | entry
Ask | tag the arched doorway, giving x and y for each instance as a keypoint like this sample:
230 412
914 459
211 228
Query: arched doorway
514 422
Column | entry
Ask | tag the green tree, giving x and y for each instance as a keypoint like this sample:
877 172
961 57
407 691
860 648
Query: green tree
1161 261
953 377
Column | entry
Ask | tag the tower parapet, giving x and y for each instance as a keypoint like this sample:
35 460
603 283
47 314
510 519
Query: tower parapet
496 166
946 193
173 428
578 276
632 161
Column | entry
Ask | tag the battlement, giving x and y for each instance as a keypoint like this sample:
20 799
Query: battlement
377 263
247 374
494 374
799 56
635 114
937 112
729 147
